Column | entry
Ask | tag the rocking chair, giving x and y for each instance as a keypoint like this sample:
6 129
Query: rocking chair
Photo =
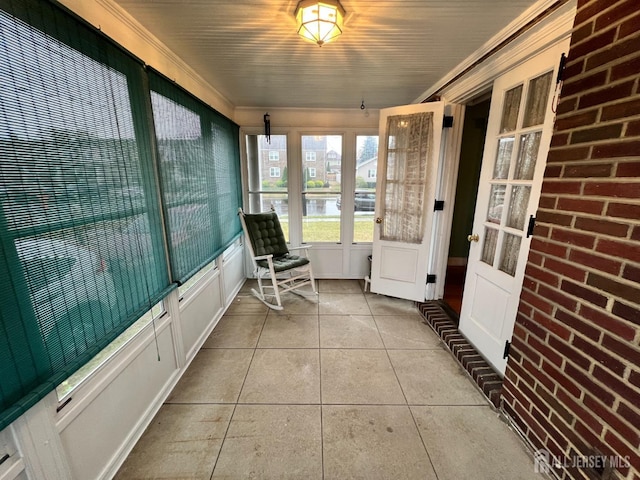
272 260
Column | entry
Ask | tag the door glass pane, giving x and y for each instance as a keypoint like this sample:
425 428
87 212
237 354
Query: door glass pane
489 245
409 144
365 194
267 172
510 252
518 205
510 109
503 158
321 185
496 203
537 98
527 156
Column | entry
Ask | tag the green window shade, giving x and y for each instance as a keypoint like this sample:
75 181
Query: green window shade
81 243
199 168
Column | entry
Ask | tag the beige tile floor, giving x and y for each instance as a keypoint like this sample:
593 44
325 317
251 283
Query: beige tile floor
343 385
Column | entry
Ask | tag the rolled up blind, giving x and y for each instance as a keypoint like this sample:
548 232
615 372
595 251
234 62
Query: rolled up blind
82 251
199 165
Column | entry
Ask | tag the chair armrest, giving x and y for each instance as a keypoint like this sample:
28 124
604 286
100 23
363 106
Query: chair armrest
264 257
301 247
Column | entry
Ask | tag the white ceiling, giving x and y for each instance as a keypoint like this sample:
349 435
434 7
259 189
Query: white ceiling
390 53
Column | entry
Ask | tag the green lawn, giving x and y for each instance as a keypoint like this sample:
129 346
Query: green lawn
327 229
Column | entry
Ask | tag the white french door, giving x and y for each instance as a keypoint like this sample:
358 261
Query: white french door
516 146
407 167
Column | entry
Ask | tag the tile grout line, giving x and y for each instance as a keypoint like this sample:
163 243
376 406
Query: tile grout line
235 406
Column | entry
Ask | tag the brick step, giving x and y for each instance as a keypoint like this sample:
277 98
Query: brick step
467 356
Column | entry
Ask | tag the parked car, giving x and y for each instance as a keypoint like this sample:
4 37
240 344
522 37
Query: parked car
363 201
69 286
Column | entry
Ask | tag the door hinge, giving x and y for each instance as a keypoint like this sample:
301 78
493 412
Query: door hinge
531 226
438 205
507 348
431 278
447 122
563 61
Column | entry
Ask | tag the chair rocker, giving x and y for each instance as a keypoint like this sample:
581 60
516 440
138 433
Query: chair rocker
272 260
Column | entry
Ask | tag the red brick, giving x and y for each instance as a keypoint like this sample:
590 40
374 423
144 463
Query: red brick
597 262
536 302
628 169
542 275
568 204
521 347
572 237
547 202
535 258
589 435
633 129
617 51
567 105
623 210
569 384
629 108
558 298
613 189
532 327
614 287
517 370
627 312
581 119
553 249
629 27
586 13
578 325
616 150
568 154
613 229
626 350
587 171
570 353
630 251
635 235
622 449
552 171
615 14
595 134
632 273
608 322
565 269
578 408
560 140
602 357
634 378
629 414
596 42
546 216
581 33
612 420
587 294
589 385
545 351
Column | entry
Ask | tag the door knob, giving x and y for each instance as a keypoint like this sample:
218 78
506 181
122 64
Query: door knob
378 220
473 238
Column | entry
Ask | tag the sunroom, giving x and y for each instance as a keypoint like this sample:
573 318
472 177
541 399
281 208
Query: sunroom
132 131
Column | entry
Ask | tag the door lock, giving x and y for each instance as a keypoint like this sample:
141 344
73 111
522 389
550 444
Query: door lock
378 220
473 238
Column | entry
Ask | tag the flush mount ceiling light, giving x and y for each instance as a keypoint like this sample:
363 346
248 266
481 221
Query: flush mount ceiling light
319 22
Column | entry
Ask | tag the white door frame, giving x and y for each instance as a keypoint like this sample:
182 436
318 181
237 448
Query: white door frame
546 34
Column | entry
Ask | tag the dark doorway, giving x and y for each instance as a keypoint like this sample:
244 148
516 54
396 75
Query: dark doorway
473 135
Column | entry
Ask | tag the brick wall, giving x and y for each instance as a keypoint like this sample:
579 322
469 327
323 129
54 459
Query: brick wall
573 380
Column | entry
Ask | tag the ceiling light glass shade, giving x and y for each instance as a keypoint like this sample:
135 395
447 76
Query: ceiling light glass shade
319 22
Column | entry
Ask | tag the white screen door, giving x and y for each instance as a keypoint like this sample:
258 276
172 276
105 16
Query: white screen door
517 142
407 168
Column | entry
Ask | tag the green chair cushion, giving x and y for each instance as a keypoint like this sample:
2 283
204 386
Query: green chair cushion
265 234
284 262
